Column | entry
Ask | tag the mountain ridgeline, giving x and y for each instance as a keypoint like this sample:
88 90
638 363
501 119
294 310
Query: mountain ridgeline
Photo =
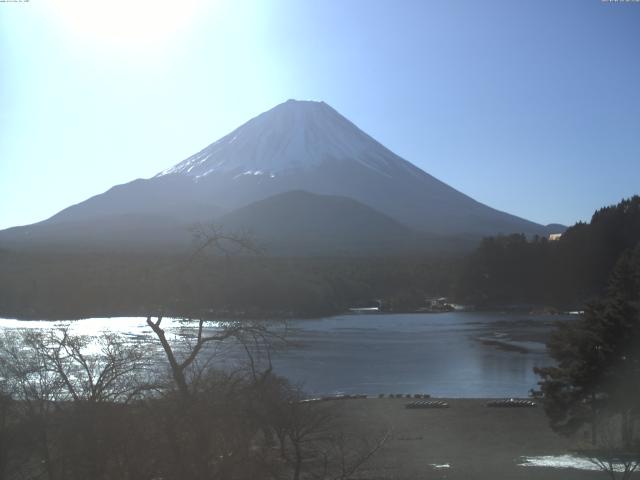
300 178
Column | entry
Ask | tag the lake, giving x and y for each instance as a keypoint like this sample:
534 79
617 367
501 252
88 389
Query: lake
455 354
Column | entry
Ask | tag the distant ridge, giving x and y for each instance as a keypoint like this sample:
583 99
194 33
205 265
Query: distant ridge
299 222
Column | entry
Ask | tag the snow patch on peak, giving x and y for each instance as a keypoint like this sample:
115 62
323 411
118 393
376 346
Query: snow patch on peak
297 134
255 173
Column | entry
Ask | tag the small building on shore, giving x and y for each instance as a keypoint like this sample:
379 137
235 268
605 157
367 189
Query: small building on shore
435 305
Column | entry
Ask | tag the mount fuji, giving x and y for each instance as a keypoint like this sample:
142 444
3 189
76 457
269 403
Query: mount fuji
304 147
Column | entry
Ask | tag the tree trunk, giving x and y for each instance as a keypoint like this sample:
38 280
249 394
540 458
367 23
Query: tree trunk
298 464
594 421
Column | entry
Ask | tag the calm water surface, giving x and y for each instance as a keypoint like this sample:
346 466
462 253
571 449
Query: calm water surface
457 354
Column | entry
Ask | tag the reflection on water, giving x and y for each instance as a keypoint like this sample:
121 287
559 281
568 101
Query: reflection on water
456 354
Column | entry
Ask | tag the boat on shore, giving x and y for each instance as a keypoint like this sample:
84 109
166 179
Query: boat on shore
436 305
364 309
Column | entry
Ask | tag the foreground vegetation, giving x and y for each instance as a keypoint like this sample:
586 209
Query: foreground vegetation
68 412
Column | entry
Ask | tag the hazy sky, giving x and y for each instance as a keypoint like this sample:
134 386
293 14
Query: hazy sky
532 107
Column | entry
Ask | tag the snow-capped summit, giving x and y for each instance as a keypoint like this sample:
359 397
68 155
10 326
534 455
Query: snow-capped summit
291 136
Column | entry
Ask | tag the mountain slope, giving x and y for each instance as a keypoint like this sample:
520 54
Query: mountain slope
297 145
310 146
120 232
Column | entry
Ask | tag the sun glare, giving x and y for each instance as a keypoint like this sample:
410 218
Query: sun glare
125 23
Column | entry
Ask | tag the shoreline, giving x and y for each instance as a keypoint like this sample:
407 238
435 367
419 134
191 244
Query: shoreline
277 316
532 309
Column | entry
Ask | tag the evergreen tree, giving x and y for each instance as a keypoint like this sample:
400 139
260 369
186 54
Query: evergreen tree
597 375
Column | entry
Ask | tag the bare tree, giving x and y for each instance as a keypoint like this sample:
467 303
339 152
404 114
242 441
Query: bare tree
215 430
346 455
615 453
110 373
179 366
312 440
66 393
32 383
214 238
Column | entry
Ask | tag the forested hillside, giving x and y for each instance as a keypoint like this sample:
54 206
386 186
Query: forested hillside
569 271
68 285
503 270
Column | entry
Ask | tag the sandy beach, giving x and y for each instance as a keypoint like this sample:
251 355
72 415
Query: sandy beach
468 440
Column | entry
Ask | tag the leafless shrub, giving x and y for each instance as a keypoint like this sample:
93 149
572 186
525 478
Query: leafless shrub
615 453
